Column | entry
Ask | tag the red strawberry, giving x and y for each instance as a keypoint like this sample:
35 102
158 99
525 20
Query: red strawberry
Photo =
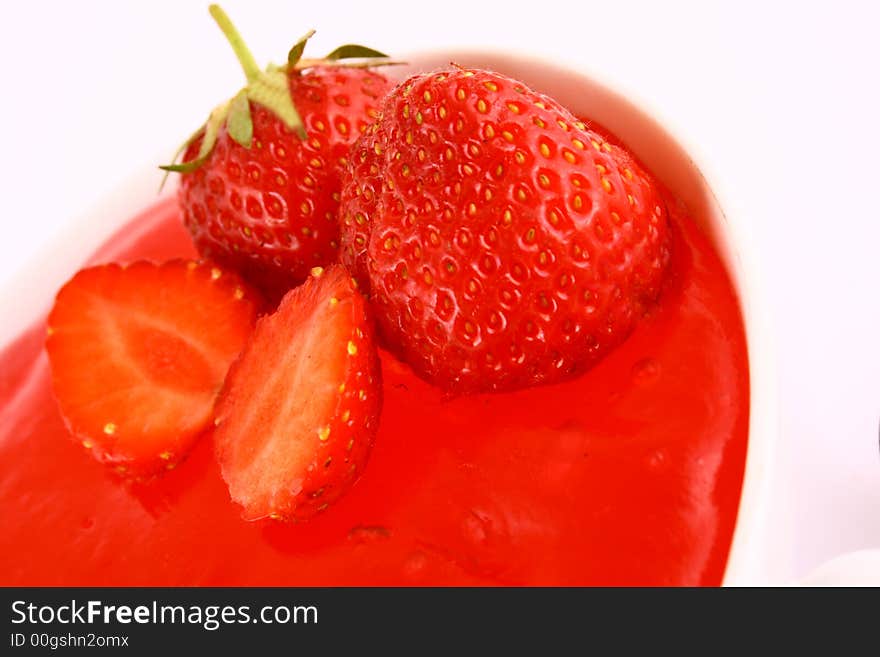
260 185
505 243
138 354
300 407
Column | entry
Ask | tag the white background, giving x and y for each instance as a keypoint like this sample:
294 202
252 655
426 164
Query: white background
780 101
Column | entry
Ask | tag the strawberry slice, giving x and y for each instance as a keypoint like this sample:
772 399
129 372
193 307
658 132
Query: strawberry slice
300 408
138 354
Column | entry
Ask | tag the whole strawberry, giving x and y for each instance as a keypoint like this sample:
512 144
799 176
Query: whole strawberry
504 242
260 185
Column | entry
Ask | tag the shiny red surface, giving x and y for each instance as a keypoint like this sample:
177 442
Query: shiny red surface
630 474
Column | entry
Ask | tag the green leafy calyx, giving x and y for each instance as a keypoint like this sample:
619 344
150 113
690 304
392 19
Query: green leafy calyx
268 88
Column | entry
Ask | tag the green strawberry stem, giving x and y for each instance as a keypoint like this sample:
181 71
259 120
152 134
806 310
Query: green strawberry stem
242 52
269 88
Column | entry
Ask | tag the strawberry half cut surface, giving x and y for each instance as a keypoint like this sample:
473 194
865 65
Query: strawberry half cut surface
139 352
300 409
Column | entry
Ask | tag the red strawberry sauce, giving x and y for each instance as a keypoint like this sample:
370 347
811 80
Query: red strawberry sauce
630 474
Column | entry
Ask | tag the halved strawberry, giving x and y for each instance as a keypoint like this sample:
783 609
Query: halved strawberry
300 408
139 352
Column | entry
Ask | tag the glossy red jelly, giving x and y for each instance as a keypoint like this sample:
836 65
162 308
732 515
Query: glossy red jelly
630 474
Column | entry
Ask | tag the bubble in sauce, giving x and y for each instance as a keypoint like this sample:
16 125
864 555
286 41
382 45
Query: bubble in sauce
658 459
364 534
415 563
645 372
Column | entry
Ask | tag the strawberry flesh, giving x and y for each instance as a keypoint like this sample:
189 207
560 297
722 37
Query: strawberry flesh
138 354
299 412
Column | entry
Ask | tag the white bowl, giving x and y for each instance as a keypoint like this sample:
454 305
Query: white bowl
753 557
